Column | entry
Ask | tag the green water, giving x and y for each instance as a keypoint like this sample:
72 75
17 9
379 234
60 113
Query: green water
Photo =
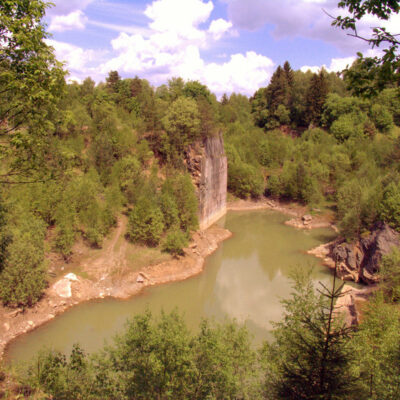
244 279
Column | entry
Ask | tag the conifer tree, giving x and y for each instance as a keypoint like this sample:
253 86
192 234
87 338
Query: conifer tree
315 98
311 357
277 90
288 73
113 81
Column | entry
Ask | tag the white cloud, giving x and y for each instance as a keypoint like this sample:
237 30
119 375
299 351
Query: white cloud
304 18
219 27
315 69
339 64
78 61
336 65
74 20
75 56
242 73
172 48
179 17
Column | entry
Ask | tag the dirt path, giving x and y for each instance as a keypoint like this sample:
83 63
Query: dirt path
110 259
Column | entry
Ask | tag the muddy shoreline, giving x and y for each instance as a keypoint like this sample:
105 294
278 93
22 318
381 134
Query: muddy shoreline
72 290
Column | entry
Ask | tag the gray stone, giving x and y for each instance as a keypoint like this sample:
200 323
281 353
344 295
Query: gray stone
207 163
360 261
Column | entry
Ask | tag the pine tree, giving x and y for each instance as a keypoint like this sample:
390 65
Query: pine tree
136 86
277 90
288 73
311 357
113 81
315 98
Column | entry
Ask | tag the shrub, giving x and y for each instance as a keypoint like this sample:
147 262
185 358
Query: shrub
23 278
175 241
245 180
146 222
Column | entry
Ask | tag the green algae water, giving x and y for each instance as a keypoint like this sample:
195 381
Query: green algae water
244 279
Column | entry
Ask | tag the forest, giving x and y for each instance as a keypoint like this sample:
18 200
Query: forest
74 156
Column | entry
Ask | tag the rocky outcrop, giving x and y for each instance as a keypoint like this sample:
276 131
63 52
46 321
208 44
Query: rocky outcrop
359 261
349 304
207 163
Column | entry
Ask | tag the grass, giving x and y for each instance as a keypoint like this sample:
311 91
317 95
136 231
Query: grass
138 256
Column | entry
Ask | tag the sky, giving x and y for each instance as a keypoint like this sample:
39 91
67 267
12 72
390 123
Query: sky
228 45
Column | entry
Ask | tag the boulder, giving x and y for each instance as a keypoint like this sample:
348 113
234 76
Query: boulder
306 219
381 241
360 261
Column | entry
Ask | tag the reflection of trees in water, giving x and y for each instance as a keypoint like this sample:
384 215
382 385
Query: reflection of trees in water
278 248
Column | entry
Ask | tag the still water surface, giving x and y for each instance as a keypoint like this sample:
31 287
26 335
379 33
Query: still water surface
244 279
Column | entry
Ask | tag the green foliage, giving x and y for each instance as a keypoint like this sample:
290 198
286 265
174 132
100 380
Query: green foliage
169 207
377 348
346 126
186 201
155 359
23 277
370 75
336 106
65 231
311 357
127 174
146 222
390 205
381 117
390 276
245 180
64 379
5 236
31 83
358 205
315 98
175 241
182 124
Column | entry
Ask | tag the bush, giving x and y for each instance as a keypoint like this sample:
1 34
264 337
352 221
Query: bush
345 127
245 180
382 118
23 278
390 275
175 241
146 222
186 201
390 205
274 186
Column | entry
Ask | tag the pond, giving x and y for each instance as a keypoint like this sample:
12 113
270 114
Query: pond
244 279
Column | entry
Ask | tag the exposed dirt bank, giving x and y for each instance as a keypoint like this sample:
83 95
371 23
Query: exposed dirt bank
301 219
108 275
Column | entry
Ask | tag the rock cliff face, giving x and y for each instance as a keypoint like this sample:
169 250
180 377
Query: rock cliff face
359 261
207 163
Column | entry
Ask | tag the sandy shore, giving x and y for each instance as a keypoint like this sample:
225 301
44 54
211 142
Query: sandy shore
295 210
